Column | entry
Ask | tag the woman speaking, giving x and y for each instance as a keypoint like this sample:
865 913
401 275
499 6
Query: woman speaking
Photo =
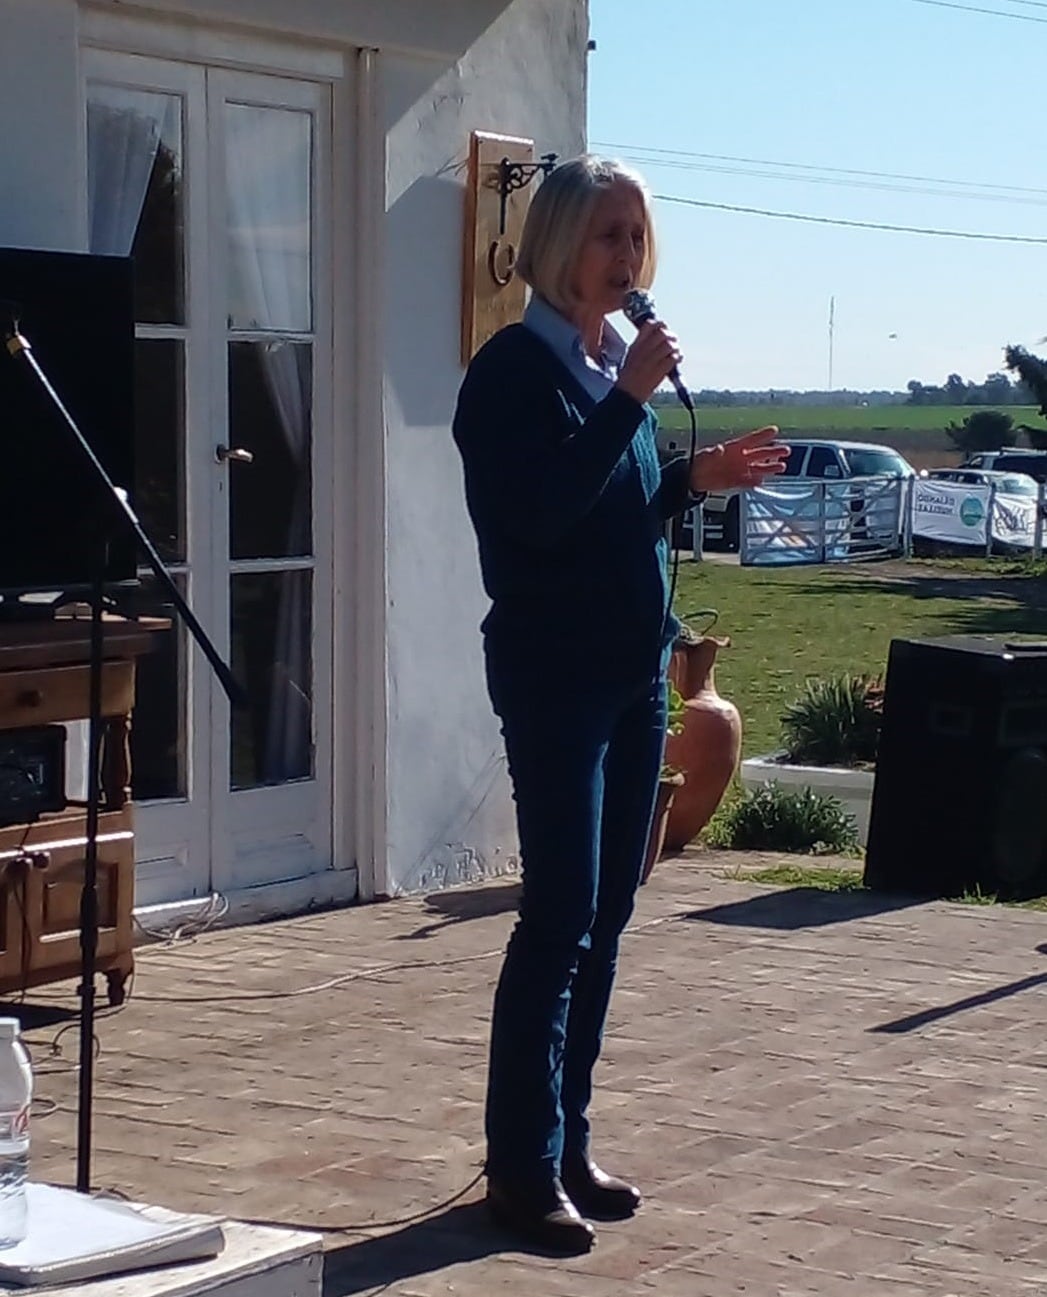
569 504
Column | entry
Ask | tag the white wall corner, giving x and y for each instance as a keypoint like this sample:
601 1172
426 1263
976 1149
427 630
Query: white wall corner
364 621
450 814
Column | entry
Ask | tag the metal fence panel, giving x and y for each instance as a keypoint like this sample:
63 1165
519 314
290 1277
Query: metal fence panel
822 522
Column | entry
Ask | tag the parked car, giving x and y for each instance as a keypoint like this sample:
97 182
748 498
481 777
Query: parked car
810 459
1005 482
1032 462
1021 484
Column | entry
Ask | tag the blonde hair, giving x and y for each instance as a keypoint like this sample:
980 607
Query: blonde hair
558 219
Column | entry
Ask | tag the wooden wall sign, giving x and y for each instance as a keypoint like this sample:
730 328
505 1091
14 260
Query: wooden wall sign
497 196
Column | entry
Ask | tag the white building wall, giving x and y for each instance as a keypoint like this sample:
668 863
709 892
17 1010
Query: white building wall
426 774
437 29
41 205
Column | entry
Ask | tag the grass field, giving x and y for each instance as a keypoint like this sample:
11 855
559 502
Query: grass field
788 624
918 431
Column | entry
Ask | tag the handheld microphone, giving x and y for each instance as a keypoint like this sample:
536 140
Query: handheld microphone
639 308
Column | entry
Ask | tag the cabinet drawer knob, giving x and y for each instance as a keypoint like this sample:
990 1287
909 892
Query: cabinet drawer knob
30 698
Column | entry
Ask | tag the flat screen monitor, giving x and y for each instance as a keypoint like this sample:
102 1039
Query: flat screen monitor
76 312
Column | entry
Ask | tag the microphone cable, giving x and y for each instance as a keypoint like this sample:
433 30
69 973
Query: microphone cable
692 449
638 309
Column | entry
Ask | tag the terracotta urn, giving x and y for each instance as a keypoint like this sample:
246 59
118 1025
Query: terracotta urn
668 787
708 748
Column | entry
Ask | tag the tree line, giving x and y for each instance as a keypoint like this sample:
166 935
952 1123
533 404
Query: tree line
709 397
997 389
995 429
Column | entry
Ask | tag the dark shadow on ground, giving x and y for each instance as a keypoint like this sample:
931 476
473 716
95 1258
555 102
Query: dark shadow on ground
985 605
926 1016
459 905
32 1016
802 907
374 1265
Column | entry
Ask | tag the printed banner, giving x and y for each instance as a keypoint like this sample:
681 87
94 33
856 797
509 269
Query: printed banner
1014 519
959 514
950 511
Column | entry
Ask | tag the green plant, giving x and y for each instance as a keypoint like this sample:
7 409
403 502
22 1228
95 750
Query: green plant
975 896
772 818
983 430
822 878
676 713
835 722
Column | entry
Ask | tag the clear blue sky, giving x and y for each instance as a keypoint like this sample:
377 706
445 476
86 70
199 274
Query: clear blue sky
880 86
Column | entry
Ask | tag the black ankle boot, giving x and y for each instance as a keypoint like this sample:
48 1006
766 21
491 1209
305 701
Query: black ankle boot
597 1194
542 1214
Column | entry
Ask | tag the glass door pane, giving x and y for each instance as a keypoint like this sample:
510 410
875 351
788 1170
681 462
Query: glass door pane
159 748
272 658
136 192
159 453
269 158
270 415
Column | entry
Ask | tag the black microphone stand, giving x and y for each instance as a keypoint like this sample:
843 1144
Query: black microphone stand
123 515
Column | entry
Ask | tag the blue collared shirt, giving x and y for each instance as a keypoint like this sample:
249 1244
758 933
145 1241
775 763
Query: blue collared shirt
565 339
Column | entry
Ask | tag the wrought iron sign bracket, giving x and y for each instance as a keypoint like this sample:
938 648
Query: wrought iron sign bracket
516 175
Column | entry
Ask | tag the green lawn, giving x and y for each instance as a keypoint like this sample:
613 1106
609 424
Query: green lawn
916 431
839 422
788 624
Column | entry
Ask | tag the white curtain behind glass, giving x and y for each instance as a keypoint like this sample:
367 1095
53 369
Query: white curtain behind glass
269 166
124 130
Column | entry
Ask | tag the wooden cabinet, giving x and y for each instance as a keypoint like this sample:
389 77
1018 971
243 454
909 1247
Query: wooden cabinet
44 677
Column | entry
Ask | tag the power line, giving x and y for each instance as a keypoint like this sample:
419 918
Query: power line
976 9
862 225
808 166
836 182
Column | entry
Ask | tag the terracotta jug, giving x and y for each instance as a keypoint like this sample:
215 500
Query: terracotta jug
668 786
710 745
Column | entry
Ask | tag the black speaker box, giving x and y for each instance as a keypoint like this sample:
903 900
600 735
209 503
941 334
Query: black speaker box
77 313
960 796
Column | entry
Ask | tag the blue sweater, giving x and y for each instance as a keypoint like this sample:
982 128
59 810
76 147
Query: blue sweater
569 503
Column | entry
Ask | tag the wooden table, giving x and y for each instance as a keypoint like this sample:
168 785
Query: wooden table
44 672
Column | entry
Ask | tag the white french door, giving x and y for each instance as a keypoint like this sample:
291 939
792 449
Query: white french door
218 183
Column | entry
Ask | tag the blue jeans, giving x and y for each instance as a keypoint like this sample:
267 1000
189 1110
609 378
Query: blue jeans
584 759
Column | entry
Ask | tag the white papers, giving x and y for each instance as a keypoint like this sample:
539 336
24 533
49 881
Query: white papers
73 1236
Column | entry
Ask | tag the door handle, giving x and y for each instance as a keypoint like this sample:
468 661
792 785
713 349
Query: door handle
235 453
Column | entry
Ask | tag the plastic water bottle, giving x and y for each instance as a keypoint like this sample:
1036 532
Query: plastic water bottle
16 1094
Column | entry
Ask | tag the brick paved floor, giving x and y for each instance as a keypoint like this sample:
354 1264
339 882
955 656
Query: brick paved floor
820 1094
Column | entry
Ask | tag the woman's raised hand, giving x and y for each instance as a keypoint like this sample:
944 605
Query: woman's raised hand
743 461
